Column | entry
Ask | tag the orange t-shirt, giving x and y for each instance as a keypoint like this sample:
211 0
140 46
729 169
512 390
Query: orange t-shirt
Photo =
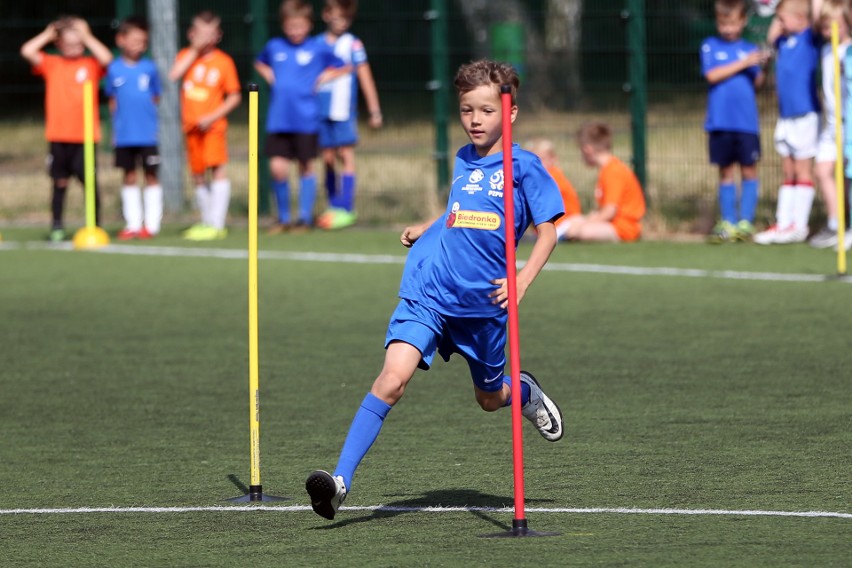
570 201
63 99
617 185
205 84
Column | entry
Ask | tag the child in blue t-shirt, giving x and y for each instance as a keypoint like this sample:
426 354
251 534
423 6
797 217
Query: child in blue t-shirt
133 87
731 66
339 107
453 294
294 66
797 130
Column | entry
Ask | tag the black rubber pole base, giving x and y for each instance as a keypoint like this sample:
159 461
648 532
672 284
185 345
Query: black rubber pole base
519 529
255 494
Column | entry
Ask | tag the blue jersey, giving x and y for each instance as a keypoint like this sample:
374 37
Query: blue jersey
795 68
293 105
339 98
731 104
133 85
451 266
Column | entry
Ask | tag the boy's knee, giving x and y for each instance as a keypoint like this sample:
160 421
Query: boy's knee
490 401
389 387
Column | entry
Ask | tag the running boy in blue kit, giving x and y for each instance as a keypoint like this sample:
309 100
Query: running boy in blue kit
731 66
796 133
453 294
294 66
133 88
339 106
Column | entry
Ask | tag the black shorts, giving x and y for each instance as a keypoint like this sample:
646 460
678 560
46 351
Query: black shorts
66 159
293 146
727 147
128 158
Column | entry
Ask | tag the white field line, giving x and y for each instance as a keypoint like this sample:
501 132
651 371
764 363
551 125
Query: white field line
437 509
400 259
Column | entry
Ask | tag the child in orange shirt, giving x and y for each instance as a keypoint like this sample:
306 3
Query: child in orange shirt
621 203
64 76
209 92
543 148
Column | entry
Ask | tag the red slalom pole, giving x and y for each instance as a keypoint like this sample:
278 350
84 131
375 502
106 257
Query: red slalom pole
519 523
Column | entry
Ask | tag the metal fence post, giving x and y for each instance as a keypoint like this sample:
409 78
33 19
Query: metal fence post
637 86
259 36
440 87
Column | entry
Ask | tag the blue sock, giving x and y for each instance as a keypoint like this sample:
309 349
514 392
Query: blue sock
282 196
331 187
307 197
728 202
347 197
362 433
525 391
748 201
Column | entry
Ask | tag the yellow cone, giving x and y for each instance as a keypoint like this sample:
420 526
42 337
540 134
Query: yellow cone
89 238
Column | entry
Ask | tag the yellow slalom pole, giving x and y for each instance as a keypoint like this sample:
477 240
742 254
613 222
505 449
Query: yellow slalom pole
255 488
839 178
91 236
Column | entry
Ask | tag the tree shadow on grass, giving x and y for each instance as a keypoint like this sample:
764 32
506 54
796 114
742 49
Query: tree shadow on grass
439 498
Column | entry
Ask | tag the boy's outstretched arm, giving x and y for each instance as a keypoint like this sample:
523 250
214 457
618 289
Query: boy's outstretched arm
413 232
31 50
371 94
265 71
544 245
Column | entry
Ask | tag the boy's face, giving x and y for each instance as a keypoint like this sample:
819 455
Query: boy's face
589 154
482 118
792 21
204 35
133 43
730 26
70 43
297 28
336 20
842 28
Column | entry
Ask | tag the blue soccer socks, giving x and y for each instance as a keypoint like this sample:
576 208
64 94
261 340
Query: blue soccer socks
728 202
525 391
347 192
307 198
282 196
748 199
363 432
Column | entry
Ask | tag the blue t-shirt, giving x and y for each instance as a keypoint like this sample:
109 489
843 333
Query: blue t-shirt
339 98
795 69
451 266
133 86
293 105
731 104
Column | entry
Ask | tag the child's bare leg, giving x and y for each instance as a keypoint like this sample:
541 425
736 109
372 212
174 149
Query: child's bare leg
827 187
401 360
599 231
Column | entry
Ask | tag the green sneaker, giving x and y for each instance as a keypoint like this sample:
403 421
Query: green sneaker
340 219
57 235
206 233
197 228
744 231
723 232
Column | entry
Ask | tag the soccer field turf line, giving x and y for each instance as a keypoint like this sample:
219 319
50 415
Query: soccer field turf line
430 509
354 258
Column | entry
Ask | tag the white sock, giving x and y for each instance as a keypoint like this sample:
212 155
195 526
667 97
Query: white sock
131 207
152 199
786 206
202 199
832 223
804 202
220 198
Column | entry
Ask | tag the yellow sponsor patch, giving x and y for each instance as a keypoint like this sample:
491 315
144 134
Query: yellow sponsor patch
476 220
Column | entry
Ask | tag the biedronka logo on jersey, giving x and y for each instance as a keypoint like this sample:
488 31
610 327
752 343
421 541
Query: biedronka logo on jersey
461 219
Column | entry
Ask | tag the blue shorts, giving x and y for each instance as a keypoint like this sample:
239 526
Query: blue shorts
336 133
727 147
481 341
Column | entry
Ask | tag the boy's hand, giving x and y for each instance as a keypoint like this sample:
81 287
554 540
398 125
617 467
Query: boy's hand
410 234
82 27
501 294
50 32
759 57
376 120
205 122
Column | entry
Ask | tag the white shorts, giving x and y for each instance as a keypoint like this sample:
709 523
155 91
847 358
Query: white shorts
826 146
797 137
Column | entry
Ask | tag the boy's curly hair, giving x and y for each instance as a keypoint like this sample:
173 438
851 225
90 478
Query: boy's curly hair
484 72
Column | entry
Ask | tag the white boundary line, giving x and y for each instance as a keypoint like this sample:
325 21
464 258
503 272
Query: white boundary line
400 259
395 509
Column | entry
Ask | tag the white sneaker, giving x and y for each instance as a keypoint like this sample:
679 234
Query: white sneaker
327 493
847 240
541 411
768 236
826 238
790 235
